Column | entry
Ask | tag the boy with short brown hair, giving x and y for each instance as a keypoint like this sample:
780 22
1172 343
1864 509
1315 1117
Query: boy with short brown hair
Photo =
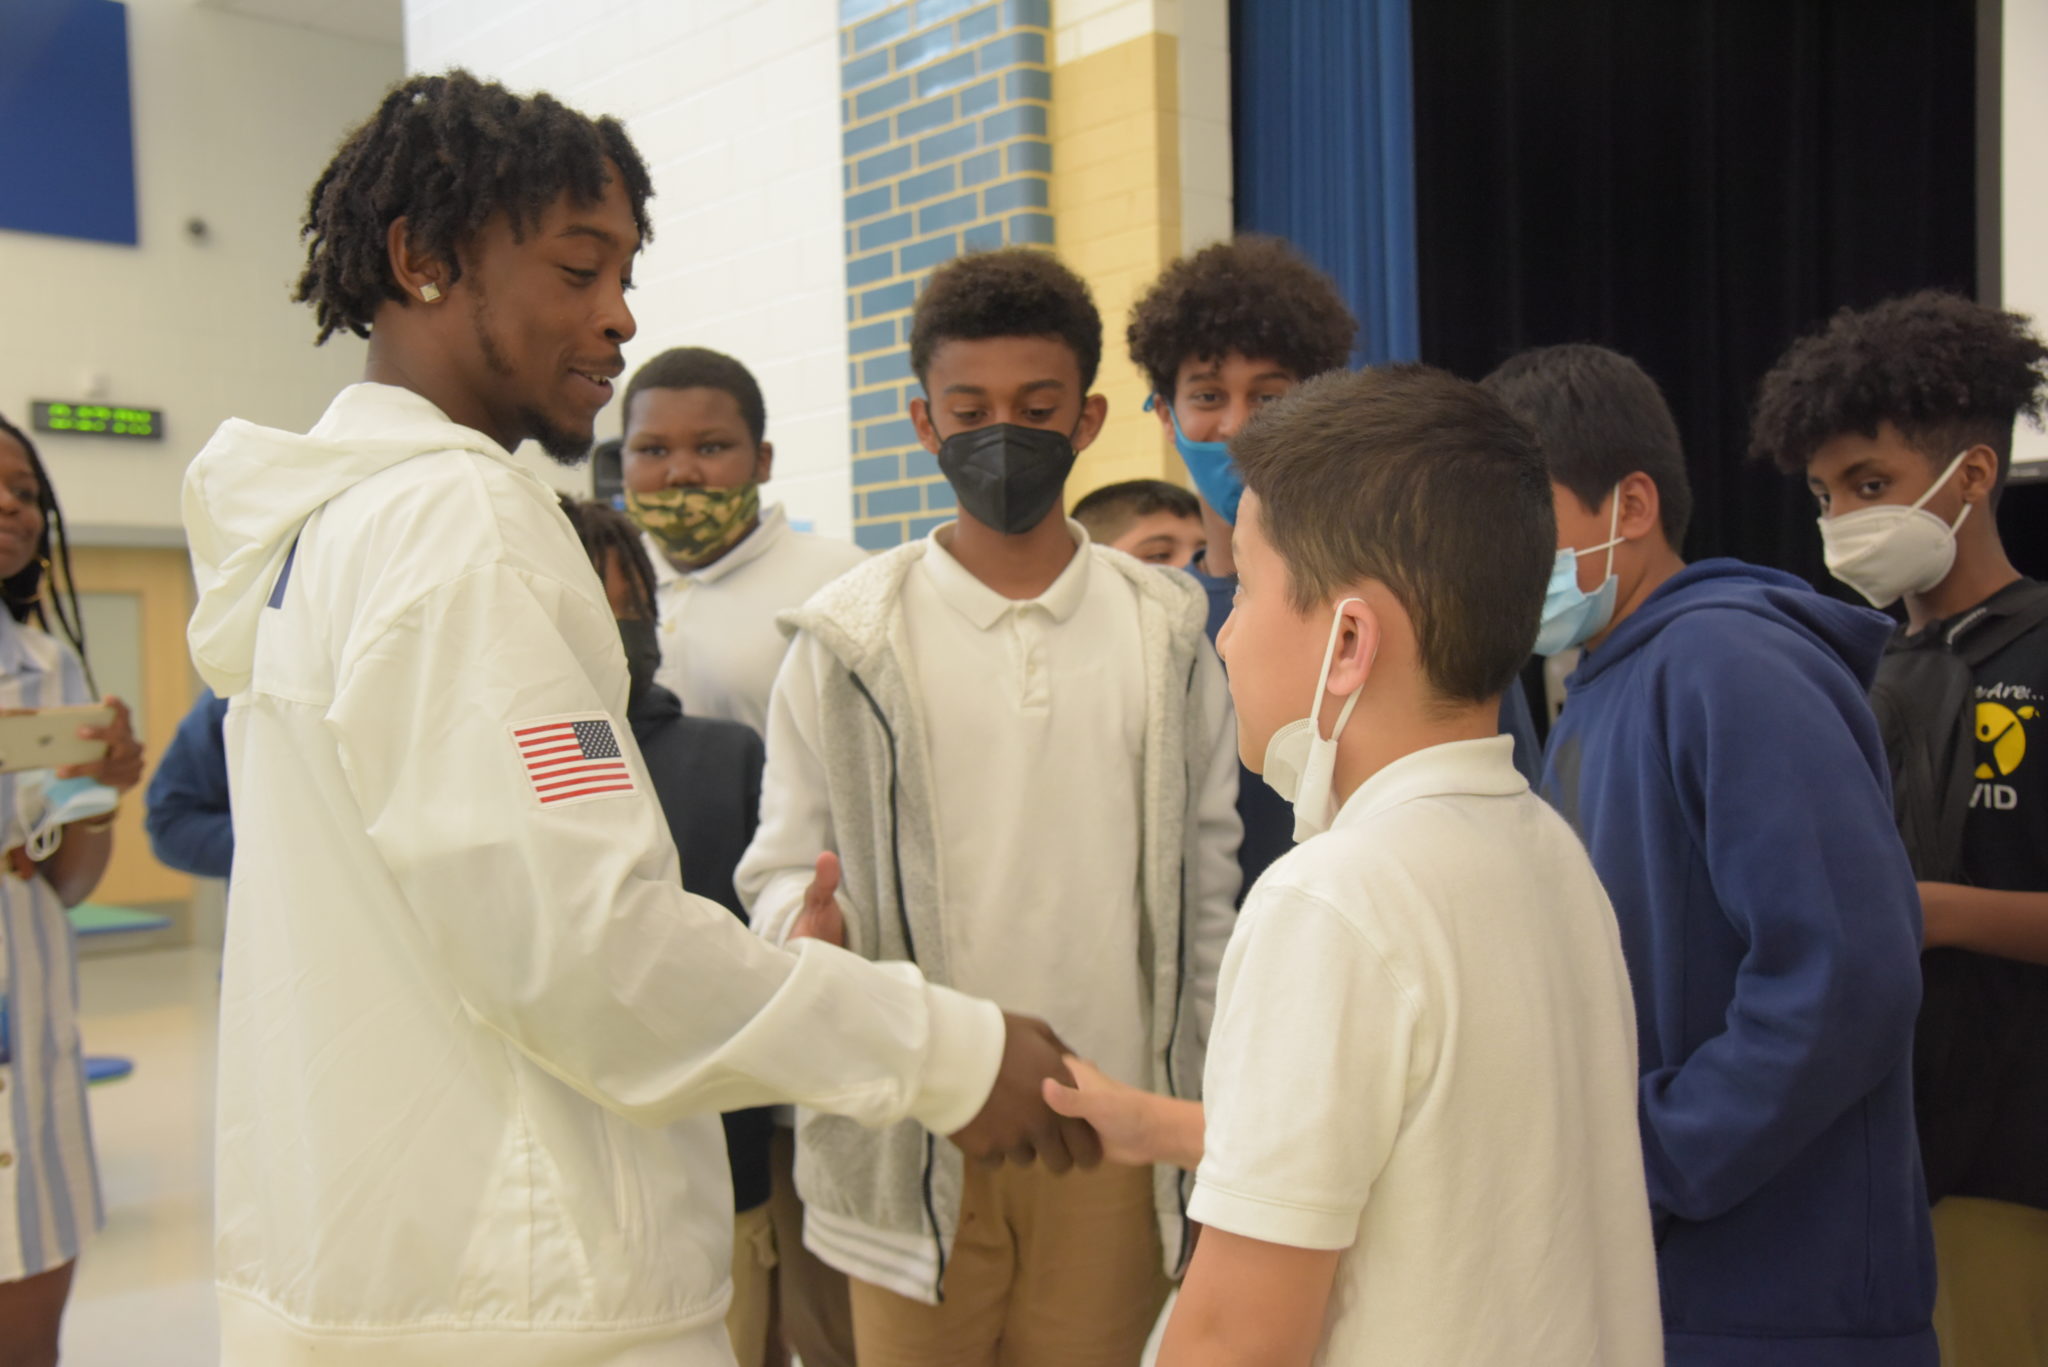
1418 1138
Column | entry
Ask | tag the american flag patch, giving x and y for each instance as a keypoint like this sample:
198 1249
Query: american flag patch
568 759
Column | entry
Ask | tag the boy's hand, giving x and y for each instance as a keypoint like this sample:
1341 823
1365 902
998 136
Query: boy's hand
821 918
1118 1114
1015 1123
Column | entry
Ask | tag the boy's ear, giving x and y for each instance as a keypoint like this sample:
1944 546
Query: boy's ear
1978 474
764 462
1642 512
921 418
1094 412
1358 643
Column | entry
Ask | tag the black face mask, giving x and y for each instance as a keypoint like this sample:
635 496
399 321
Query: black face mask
1005 476
643 657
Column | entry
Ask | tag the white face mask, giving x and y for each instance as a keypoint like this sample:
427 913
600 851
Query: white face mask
1301 764
1886 552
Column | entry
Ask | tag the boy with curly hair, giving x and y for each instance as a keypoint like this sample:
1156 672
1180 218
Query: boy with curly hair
1901 419
1221 334
1016 743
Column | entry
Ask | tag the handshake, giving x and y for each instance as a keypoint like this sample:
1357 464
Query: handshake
1015 1124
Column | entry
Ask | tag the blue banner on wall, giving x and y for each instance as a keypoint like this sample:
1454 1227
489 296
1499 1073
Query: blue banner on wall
1324 131
67 129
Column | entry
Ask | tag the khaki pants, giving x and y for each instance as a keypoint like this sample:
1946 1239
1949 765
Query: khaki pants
816 1322
1991 1309
1046 1272
753 1285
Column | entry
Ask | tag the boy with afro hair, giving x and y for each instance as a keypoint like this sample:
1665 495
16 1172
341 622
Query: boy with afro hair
1221 334
1900 417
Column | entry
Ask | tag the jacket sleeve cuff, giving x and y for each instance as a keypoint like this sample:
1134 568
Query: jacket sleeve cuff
960 1067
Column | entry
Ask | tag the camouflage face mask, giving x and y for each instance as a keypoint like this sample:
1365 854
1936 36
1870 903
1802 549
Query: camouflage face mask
696 526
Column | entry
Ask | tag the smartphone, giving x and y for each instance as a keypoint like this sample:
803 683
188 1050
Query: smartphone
49 739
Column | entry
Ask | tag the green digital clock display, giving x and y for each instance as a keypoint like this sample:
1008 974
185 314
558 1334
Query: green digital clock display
97 419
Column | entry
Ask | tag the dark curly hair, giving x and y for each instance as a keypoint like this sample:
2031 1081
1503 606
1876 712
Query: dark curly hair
1007 292
696 367
608 534
1948 372
24 591
446 153
1256 296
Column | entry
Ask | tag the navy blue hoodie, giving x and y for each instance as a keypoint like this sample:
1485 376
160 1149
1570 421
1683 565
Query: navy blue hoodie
187 803
1718 758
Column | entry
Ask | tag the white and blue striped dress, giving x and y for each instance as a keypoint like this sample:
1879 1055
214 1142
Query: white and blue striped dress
49 1185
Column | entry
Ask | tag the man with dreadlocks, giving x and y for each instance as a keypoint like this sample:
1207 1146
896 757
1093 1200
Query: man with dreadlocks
474 1034
49 1189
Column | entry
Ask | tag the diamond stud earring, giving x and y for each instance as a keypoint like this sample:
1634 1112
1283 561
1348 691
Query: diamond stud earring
430 291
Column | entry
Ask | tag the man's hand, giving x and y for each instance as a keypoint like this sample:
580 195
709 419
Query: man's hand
1136 1127
821 918
1016 1123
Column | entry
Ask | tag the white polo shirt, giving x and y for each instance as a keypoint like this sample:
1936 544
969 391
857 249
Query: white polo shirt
1424 1055
720 648
1035 715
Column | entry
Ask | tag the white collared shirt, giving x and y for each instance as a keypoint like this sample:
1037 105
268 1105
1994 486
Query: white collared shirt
720 647
1424 1055
1035 723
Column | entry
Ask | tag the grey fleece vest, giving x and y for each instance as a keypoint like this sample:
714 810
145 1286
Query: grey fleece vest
879 782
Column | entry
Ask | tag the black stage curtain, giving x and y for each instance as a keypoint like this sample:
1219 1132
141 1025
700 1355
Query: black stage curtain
1694 183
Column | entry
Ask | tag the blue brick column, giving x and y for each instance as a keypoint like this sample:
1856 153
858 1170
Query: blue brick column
946 151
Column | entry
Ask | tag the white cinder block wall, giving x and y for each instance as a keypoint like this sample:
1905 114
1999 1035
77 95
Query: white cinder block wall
234 118
734 105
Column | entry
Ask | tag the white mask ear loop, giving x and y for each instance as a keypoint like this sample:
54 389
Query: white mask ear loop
1323 679
1614 537
1935 488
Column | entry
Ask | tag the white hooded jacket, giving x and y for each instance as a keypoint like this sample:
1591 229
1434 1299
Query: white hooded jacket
474 1034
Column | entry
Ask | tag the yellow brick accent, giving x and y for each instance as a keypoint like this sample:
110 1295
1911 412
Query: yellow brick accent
1116 201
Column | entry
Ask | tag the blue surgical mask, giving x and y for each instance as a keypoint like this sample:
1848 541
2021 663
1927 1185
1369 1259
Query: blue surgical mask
1571 616
1208 462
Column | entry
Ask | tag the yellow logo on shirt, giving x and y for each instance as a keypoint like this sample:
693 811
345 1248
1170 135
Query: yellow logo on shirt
2001 729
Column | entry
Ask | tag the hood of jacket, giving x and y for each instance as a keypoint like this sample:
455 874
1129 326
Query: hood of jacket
248 494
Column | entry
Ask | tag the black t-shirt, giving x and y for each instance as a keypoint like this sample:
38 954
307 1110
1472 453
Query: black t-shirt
2005 839
1983 1065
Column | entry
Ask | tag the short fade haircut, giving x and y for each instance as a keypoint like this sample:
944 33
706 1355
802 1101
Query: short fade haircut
1109 512
1254 295
1008 292
607 533
1423 482
1599 419
1947 372
447 154
696 367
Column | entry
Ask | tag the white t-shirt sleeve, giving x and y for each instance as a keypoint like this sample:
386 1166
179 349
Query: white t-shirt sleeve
1308 1075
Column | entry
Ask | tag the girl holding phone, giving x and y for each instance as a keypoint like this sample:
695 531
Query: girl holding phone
49 1187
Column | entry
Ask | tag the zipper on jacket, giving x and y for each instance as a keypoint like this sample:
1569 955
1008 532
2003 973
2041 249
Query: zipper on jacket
931 1208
